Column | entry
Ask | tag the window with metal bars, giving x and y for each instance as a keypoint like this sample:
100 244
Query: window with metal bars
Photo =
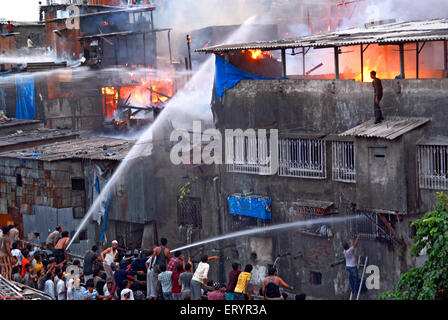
302 158
343 164
433 167
369 225
317 229
189 212
247 154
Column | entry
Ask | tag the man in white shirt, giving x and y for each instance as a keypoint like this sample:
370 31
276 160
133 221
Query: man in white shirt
60 287
49 286
127 294
17 253
30 42
351 265
200 277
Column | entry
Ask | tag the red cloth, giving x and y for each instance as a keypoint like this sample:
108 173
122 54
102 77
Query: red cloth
25 261
10 28
233 279
217 295
175 282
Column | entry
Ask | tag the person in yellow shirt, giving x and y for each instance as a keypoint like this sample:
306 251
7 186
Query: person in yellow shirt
37 263
242 286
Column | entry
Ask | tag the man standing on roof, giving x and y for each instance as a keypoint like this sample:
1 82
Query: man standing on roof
9 27
378 89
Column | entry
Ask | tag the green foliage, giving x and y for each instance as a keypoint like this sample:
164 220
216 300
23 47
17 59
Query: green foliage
186 189
430 281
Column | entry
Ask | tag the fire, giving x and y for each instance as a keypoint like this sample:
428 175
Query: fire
258 54
110 101
149 92
377 65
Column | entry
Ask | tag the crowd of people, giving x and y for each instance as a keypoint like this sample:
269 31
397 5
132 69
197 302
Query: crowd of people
111 275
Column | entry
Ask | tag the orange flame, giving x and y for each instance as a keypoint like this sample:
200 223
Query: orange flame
258 54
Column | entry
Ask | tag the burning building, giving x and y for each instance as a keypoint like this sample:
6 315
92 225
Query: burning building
333 160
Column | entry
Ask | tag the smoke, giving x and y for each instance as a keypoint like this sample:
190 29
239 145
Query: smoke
400 10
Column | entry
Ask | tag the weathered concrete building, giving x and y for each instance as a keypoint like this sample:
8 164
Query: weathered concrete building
333 161
54 183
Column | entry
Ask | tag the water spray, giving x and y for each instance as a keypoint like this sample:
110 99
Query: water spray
276 227
195 98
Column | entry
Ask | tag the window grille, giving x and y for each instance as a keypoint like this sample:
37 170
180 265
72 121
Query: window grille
317 229
189 212
247 154
370 226
433 167
302 158
343 168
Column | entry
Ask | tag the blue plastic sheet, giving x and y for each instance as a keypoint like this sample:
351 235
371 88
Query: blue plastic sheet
228 76
3 100
105 218
256 207
25 105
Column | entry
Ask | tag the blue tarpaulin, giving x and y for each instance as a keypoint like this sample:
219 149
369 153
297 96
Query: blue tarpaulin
25 105
3 100
257 207
106 214
228 76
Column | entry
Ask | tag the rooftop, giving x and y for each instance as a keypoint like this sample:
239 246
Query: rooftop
25 136
93 148
389 129
116 10
391 33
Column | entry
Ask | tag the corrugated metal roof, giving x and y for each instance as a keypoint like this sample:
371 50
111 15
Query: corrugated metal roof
411 31
389 129
93 148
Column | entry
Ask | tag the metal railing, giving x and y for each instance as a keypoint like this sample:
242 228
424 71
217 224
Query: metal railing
247 154
370 226
343 156
433 167
302 158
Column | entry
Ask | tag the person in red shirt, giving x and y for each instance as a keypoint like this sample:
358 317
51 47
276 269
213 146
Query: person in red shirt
25 261
10 27
176 285
233 279
178 258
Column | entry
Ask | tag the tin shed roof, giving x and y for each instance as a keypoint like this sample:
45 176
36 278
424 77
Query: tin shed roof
93 148
389 129
391 33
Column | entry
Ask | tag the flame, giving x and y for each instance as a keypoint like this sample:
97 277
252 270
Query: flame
110 101
149 91
258 54
376 65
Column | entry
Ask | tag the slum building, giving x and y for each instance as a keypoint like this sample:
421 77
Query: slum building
54 183
333 160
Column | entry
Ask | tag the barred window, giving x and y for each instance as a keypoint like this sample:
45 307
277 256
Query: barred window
343 153
302 158
433 167
369 225
247 154
320 229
